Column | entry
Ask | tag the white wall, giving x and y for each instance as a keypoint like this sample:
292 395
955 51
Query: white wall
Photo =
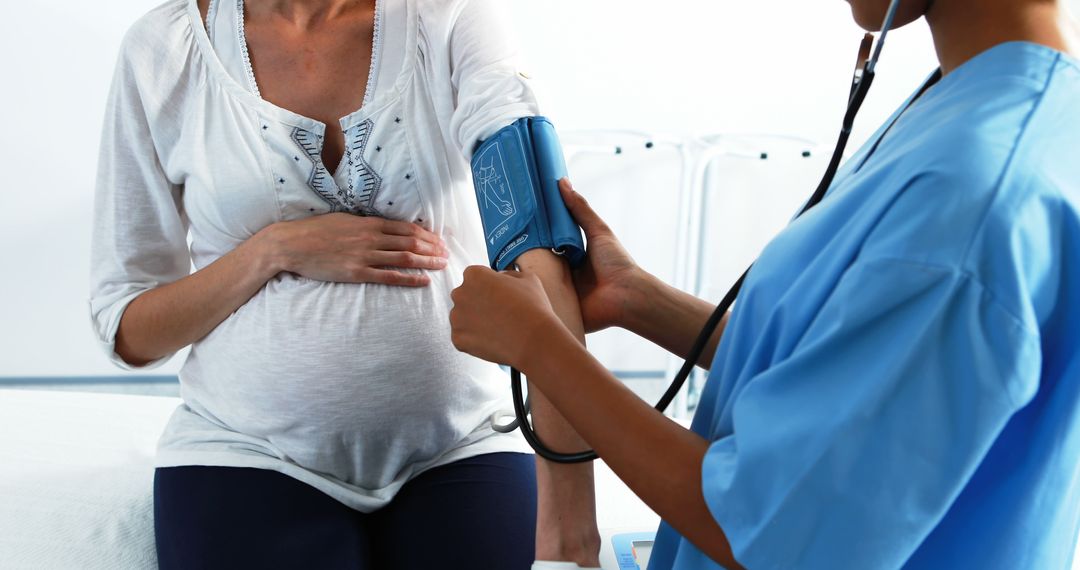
693 66
57 62
682 66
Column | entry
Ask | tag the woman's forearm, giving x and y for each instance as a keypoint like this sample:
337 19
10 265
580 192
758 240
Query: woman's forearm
670 318
566 514
554 274
658 459
170 317
338 248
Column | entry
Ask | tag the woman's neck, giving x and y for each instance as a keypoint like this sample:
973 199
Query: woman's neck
306 14
963 29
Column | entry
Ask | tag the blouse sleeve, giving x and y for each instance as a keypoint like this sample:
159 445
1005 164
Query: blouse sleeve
139 237
489 88
919 356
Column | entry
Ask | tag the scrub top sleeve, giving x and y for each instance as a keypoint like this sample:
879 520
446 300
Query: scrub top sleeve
139 233
847 453
490 89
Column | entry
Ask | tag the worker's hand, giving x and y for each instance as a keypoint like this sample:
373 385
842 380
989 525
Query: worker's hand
607 282
498 316
353 249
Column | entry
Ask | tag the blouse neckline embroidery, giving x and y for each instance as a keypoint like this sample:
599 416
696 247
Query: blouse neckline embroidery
356 194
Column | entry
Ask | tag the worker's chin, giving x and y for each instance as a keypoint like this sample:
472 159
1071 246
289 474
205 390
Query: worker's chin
870 14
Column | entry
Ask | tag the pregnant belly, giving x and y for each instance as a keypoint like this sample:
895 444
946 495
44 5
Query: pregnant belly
350 380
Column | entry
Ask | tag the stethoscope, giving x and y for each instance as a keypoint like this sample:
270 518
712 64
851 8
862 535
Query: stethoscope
860 86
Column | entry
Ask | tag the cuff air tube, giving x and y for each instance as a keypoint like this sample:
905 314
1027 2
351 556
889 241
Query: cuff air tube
516 175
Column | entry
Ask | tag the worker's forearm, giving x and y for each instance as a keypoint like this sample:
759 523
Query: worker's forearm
658 459
566 515
671 318
170 317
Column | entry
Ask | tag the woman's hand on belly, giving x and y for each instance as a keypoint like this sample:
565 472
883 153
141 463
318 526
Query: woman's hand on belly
344 248
333 247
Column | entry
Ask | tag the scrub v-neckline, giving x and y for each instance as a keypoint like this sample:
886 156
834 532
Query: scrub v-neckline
369 88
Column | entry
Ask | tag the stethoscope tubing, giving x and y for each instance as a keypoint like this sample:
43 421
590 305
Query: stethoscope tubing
863 80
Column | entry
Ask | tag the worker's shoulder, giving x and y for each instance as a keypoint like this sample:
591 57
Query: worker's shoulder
1047 148
1003 137
1010 178
1040 166
990 159
1010 121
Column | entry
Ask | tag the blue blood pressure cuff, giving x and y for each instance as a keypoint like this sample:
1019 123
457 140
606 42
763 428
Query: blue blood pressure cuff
516 174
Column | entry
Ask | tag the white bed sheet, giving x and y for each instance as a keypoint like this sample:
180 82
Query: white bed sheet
76 477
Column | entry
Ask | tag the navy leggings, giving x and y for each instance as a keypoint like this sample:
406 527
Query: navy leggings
476 513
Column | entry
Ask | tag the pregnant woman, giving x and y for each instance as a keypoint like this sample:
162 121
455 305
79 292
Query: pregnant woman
284 186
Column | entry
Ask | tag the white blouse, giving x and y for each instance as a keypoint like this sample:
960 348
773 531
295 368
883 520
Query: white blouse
352 388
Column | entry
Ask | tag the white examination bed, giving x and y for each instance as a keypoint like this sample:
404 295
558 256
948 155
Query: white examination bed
76 471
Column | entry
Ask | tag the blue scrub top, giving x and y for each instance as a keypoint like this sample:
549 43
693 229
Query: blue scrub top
899 384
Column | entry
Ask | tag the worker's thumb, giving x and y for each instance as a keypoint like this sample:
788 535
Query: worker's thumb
591 222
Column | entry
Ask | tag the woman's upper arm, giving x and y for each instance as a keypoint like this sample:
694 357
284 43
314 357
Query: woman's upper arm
491 91
139 236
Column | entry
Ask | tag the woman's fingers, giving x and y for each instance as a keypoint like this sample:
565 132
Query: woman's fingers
397 278
406 260
344 248
396 228
413 244
591 222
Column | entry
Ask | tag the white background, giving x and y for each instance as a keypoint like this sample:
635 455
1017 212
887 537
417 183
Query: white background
679 66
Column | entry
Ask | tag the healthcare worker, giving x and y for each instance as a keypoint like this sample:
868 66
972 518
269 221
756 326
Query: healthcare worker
899 383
